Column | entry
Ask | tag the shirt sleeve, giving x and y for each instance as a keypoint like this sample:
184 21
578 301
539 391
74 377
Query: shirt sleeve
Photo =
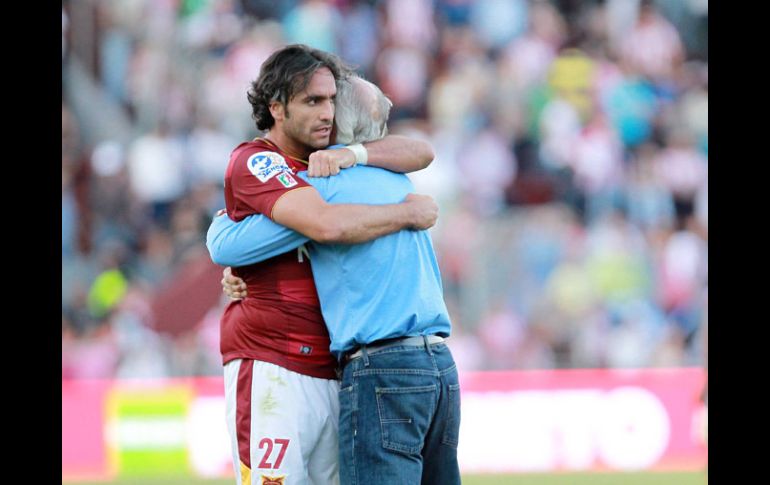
256 238
252 240
258 180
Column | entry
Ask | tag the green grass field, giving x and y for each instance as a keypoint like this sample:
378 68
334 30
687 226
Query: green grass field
645 478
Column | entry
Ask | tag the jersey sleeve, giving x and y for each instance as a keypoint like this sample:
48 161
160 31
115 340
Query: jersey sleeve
257 180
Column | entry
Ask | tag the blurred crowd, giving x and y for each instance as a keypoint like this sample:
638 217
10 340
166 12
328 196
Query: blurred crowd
571 169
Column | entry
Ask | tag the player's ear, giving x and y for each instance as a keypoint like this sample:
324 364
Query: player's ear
277 110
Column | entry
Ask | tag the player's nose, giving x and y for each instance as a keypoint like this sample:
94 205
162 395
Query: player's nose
327 113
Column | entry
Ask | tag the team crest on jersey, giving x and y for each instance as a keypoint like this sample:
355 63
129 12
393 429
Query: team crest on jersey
267 480
305 349
287 180
266 165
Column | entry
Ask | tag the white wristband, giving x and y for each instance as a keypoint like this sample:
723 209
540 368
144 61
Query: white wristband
362 156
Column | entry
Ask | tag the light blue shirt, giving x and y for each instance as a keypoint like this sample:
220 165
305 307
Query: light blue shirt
385 288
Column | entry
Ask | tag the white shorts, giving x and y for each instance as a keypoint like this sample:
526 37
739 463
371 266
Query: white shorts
283 425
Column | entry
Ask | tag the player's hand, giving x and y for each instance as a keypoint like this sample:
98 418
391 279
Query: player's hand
232 286
424 211
220 212
324 163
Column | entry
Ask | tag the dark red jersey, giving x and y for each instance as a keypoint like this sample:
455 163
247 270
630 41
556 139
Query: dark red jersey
280 320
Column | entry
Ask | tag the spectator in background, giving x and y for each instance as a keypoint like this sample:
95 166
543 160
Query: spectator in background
226 78
597 165
571 77
498 22
652 48
631 105
116 49
403 71
692 109
488 167
359 27
682 169
156 171
313 22
649 202
527 59
207 149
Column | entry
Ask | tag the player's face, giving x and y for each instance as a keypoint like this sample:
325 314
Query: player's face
310 113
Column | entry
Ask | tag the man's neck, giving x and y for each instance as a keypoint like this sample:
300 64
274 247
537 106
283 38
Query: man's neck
287 145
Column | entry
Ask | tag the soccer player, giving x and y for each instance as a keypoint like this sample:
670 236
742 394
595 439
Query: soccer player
280 378
382 302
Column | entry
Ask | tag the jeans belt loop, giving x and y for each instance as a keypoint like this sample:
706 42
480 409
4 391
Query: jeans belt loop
365 350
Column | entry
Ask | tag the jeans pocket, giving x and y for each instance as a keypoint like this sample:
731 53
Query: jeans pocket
452 430
405 416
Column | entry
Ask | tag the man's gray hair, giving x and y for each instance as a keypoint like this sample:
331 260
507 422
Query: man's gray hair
357 120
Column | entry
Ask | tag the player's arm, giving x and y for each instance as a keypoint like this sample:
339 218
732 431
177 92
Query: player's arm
257 238
232 286
396 153
305 211
254 239
307 216
261 188
399 153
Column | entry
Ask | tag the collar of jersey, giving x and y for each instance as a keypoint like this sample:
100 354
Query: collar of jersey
265 140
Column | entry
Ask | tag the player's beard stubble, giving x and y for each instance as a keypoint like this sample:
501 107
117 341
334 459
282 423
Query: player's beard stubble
314 136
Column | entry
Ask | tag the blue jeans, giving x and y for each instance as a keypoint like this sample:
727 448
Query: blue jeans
400 417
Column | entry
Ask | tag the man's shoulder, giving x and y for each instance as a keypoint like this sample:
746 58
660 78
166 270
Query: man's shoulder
249 149
356 174
375 172
360 184
259 159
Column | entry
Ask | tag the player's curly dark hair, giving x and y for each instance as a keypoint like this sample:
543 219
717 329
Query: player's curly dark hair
285 73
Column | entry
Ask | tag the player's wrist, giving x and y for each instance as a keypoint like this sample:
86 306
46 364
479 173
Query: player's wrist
412 215
362 155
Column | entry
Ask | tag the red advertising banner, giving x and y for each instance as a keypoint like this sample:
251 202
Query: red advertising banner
512 421
564 420
83 450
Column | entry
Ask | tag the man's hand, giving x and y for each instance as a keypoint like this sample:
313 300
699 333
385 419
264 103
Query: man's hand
424 211
324 163
232 286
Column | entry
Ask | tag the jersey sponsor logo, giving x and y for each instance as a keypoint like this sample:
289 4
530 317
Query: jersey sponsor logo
268 480
266 165
287 180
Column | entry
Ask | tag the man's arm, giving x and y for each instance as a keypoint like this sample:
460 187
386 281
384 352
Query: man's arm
305 211
232 286
394 152
399 153
304 215
254 239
